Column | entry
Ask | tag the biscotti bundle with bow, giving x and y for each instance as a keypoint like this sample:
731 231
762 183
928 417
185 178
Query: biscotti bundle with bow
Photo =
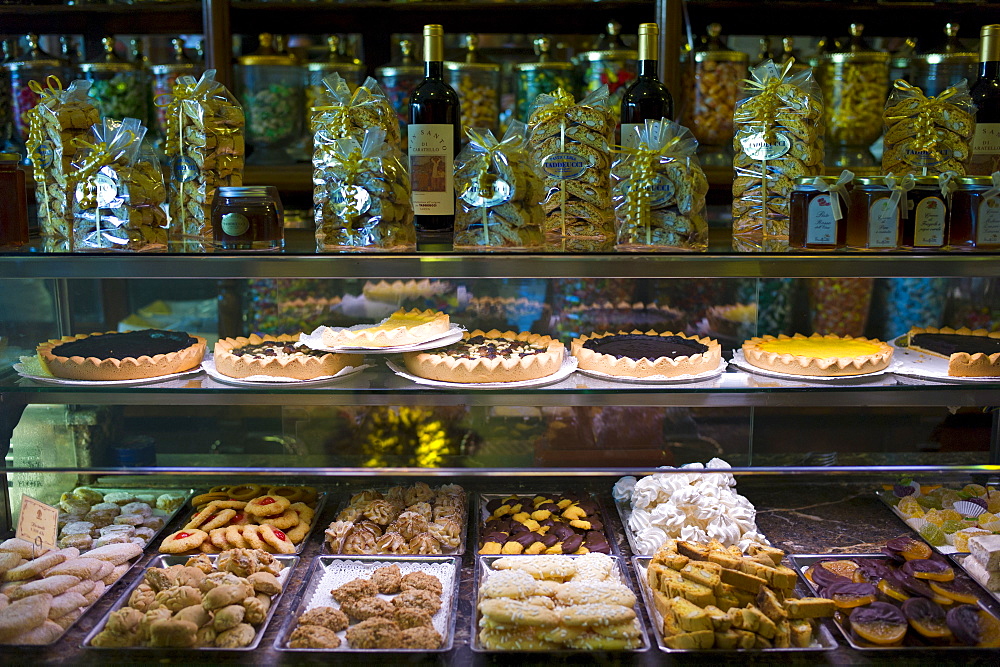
926 136
779 137
204 149
499 196
60 117
659 191
570 150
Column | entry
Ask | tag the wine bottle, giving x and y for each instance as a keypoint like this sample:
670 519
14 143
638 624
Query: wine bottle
434 136
986 94
647 98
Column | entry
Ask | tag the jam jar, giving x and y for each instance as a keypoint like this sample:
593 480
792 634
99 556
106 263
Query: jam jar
975 215
813 223
873 222
399 77
925 226
612 63
248 218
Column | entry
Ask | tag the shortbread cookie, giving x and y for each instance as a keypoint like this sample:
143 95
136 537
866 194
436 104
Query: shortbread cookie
266 506
587 615
517 612
183 540
277 540
52 585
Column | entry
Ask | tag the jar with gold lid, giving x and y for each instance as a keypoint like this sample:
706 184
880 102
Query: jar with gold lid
117 86
33 65
612 63
855 85
272 98
818 215
399 77
477 82
974 216
164 75
711 79
351 69
875 214
545 75
925 226
944 66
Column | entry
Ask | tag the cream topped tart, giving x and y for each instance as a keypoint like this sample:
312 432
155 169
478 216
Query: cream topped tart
129 355
401 328
829 356
640 354
489 356
970 352
278 356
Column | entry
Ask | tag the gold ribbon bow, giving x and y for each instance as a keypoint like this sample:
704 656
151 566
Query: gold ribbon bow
899 187
561 101
838 190
925 137
353 159
487 152
767 100
650 152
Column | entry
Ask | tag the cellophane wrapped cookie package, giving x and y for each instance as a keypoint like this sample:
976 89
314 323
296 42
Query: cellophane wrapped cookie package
60 117
361 191
570 145
499 195
120 194
659 191
779 137
927 136
204 149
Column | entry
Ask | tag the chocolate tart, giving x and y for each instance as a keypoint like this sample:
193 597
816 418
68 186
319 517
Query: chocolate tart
401 328
825 356
278 356
130 355
489 356
970 353
637 354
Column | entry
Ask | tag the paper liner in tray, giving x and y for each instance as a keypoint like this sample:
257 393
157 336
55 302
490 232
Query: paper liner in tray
484 566
824 640
801 562
330 572
164 561
914 524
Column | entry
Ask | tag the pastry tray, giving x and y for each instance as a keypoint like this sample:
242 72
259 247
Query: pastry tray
329 572
167 560
800 563
484 567
458 551
824 640
320 504
943 549
959 559
482 514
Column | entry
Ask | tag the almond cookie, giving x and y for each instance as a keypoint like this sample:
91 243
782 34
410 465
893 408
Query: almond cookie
251 535
23 548
82 568
117 572
298 533
65 603
265 506
586 615
313 636
219 519
578 593
362 609
305 512
287 519
69 618
277 540
515 584
46 633
9 560
420 581
387 579
238 637
327 617
35 567
183 540
516 612
374 633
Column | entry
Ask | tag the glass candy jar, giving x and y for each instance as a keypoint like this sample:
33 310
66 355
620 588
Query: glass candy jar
711 84
612 63
542 76
349 68
117 86
272 98
34 65
399 77
945 66
477 83
164 76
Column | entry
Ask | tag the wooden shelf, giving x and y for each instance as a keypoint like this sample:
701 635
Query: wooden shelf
154 18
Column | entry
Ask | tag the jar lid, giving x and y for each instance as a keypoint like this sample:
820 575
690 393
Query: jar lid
857 51
180 63
871 180
10 157
399 70
617 55
326 66
926 180
984 181
716 49
266 55
34 57
951 51
335 58
243 191
543 48
804 180
108 61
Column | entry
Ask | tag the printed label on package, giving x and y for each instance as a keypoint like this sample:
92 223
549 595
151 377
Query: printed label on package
488 191
757 147
566 165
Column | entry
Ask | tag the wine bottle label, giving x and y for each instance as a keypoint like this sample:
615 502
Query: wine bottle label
928 226
630 136
985 149
432 172
883 225
757 147
235 224
988 226
821 226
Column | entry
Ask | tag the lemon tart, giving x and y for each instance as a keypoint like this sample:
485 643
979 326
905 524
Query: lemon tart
401 328
278 356
829 356
970 353
639 354
129 355
489 356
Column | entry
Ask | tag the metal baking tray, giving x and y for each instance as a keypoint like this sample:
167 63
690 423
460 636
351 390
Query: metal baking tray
945 549
912 640
482 514
345 501
959 559
165 560
320 504
484 565
826 642
326 565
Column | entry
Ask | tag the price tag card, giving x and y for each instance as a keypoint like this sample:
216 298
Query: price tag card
38 523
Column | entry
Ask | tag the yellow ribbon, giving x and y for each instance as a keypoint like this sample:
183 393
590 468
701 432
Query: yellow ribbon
560 103
488 152
353 159
101 155
838 189
644 159
946 181
925 137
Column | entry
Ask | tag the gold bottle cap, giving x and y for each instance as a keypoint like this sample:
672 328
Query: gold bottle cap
433 43
648 34
989 45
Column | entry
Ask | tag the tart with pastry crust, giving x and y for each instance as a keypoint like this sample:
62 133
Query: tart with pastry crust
401 328
489 356
129 355
278 356
823 356
640 354
970 352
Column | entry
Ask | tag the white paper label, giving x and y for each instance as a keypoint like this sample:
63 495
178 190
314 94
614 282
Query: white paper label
756 148
38 523
883 225
566 165
630 135
491 191
821 226
107 190
360 200
924 158
928 225
432 171
988 226
235 224
985 149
